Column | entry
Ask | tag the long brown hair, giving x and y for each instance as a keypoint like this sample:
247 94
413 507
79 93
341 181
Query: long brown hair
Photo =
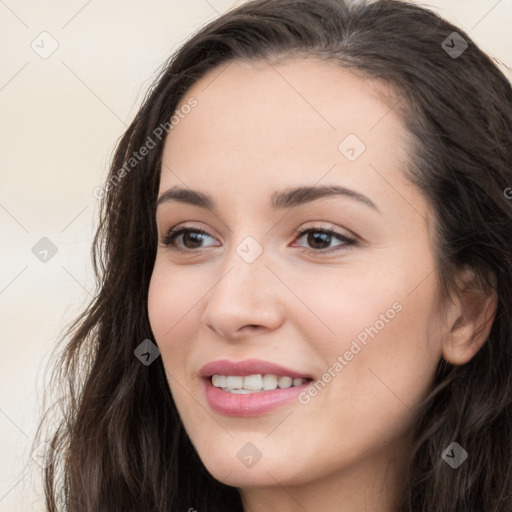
120 443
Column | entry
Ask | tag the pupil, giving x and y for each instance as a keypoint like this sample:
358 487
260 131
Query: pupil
190 236
315 237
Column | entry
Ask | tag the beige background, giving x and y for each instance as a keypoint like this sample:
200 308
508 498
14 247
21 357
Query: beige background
60 118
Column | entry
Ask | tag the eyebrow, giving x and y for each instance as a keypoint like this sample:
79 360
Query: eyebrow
287 198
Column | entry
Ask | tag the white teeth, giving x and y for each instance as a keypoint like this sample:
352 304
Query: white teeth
269 382
285 382
220 381
235 382
254 383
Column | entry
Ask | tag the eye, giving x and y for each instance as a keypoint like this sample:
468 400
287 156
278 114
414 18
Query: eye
191 238
320 238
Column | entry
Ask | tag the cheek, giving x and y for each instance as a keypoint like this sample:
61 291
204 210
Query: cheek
389 347
170 306
172 295
170 310
392 343
373 319
338 306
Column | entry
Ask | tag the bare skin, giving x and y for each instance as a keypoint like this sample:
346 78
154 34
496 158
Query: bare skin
258 129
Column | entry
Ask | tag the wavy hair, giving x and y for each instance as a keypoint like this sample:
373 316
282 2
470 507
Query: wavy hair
119 443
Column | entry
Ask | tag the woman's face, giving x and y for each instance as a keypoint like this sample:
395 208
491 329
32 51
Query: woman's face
355 311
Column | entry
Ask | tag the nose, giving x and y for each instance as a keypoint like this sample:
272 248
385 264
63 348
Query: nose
244 300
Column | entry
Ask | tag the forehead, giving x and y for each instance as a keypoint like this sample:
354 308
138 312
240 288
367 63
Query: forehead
258 124
304 95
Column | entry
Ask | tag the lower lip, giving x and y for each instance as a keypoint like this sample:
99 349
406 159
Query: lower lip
250 404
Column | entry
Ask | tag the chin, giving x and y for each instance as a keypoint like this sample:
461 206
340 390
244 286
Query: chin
236 476
264 473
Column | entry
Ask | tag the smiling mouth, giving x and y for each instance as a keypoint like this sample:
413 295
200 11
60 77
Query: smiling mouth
256 383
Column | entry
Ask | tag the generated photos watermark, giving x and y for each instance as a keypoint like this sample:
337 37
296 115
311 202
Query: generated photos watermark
343 360
158 135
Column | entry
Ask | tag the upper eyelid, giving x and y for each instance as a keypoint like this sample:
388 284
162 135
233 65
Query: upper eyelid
318 227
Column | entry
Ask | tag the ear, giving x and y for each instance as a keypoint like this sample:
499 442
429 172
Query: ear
470 318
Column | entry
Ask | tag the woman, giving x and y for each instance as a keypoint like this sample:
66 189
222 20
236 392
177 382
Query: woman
305 276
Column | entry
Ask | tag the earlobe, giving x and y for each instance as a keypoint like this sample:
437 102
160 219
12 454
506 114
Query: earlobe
473 313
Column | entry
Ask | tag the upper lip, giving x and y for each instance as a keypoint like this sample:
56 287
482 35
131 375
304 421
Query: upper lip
248 367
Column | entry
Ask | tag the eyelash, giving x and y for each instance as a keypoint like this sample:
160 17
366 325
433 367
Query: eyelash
347 241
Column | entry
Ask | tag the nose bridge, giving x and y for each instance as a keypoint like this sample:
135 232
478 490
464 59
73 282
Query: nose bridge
241 296
244 272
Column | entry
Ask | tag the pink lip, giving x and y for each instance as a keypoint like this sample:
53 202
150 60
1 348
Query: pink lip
248 367
253 404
